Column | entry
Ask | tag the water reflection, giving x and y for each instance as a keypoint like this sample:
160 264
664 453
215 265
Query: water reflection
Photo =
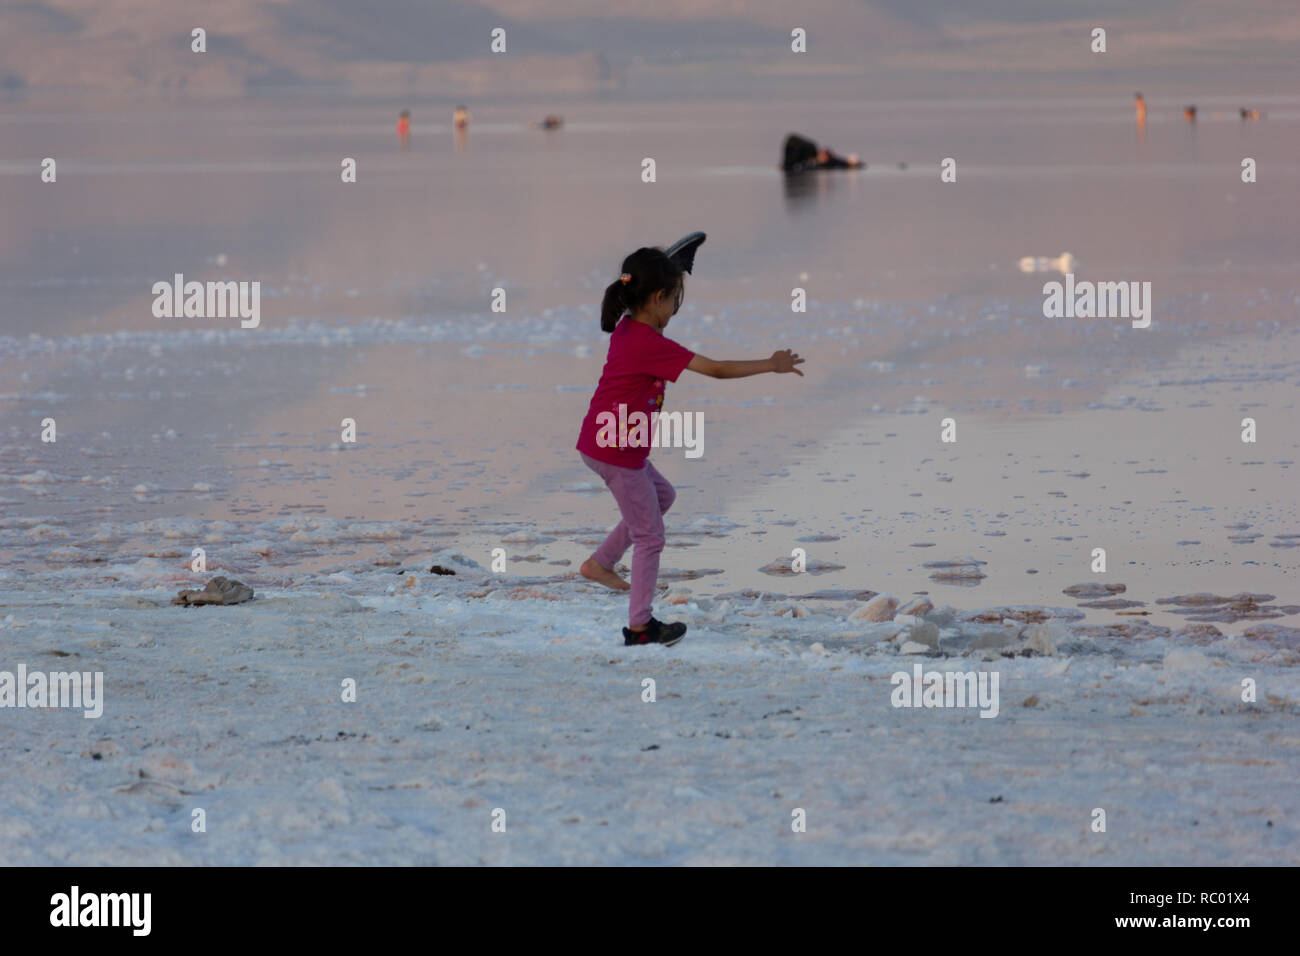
804 190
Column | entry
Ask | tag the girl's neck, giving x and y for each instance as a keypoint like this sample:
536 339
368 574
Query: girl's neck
645 319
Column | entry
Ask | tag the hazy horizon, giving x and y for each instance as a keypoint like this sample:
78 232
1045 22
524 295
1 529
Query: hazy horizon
623 49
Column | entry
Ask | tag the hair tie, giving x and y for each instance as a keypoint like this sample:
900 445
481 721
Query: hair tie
625 278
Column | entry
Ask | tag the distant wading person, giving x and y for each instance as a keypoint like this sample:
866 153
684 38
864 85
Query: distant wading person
800 155
460 127
635 311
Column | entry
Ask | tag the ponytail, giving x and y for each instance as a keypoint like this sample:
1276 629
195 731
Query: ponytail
612 306
645 272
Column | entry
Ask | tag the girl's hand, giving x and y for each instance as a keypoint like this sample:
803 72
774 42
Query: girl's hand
785 361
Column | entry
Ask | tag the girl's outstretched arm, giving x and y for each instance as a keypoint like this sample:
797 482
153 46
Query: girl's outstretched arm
782 361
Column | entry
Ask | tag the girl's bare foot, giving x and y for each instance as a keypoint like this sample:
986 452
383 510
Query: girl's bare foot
602 575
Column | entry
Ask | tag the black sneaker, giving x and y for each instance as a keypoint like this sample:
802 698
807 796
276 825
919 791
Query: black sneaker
656 632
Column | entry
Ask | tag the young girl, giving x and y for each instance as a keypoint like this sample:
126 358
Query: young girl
636 309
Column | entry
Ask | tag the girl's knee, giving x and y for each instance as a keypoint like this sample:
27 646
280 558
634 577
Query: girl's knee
649 540
667 496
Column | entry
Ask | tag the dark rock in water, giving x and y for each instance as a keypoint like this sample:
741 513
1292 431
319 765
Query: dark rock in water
439 569
962 571
958 574
1241 612
955 563
1093 590
784 567
1277 633
1025 614
690 574
837 594
217 591
1228 610
1112 604
1201 599
1198 634
749 594
1136 630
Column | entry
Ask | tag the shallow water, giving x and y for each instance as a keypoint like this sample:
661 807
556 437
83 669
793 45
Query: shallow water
1072 433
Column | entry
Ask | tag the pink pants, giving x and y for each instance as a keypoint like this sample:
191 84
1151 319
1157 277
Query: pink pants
643 495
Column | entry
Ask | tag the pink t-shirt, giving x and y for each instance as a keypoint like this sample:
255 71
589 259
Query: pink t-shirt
640 360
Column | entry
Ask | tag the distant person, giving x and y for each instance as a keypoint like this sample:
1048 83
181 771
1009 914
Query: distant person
1189 113
460 118
1141 109
1250 114
551 122
828 160
404 126
801 154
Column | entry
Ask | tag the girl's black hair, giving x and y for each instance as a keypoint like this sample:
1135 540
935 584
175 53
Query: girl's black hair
649 271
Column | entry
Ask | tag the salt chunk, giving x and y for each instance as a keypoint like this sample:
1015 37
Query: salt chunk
879 608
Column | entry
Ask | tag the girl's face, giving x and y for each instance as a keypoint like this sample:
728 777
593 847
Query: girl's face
665 303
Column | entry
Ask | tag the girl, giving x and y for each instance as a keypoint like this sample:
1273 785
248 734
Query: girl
636 309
